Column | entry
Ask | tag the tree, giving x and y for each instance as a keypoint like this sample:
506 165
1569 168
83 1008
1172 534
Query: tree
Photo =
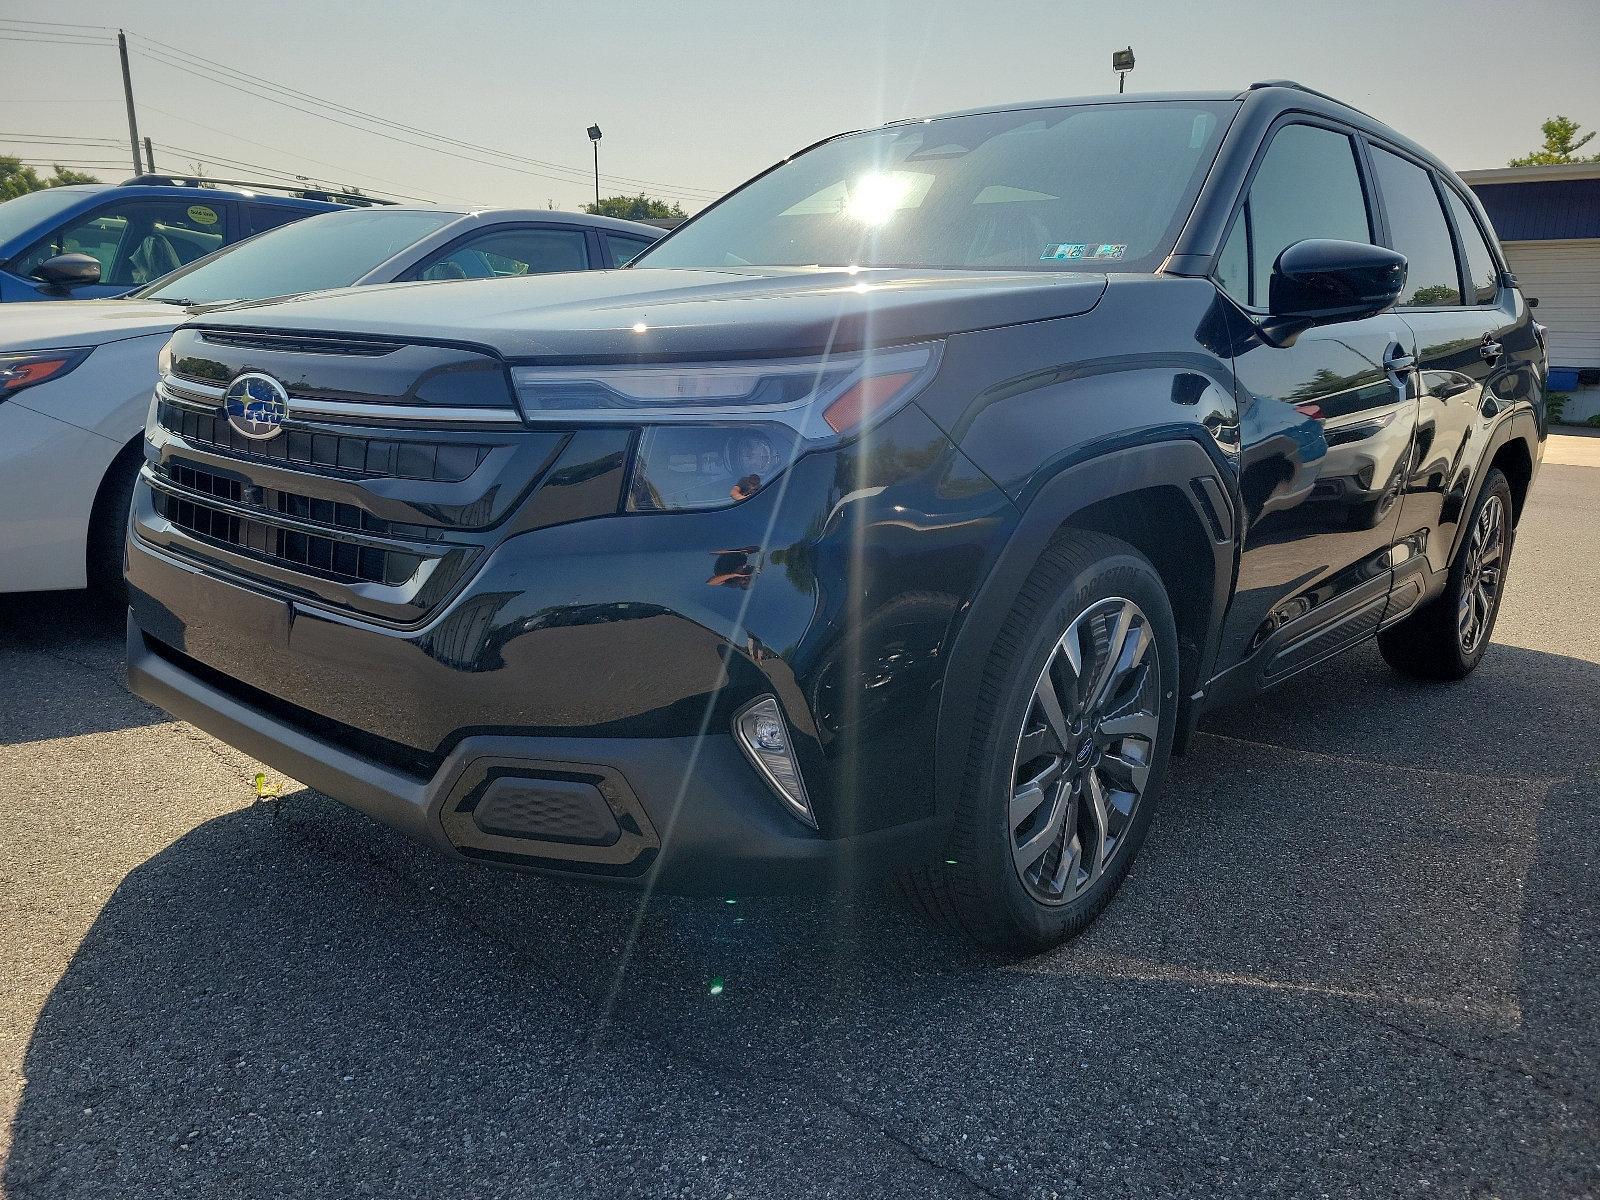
18 180
1561 145
635 208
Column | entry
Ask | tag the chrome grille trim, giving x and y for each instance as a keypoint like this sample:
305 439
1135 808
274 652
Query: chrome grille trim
200 395
404 413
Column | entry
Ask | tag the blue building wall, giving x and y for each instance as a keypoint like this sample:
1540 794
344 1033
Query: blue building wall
1542 211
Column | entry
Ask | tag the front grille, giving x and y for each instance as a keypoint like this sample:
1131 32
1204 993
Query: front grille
349 517
325 556
356 454
398 469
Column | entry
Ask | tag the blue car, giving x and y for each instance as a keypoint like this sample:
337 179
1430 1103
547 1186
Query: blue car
88 241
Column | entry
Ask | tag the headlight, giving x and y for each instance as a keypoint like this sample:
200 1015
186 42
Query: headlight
716 433
24 369
164 360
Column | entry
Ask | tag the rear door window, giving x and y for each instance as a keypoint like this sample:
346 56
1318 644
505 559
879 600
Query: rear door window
624 249
136 241
506 252
1418 230
269 216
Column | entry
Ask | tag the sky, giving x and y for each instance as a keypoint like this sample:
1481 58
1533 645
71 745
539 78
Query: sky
695 96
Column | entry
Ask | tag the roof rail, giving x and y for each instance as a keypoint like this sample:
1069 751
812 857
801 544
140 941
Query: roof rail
1300 87
304 193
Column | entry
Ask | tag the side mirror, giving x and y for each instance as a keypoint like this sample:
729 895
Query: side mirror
68 270
1322 282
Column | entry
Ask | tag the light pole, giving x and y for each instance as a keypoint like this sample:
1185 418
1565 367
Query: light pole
1122 63
594 137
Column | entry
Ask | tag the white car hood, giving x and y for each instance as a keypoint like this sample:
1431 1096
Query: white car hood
50 323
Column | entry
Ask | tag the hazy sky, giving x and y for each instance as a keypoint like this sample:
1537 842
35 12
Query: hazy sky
696 95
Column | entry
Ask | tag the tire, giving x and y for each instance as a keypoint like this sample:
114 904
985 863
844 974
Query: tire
1095 786
1447 637
108 527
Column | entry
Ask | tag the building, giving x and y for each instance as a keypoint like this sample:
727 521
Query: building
1548 219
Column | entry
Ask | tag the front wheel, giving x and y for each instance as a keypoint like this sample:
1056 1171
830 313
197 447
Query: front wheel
1076 713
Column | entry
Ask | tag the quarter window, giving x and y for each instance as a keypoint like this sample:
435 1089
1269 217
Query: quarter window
1308 186
1418 230
1483 273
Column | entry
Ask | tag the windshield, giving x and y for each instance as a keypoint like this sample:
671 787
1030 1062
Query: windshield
1094 186
23 215
328 251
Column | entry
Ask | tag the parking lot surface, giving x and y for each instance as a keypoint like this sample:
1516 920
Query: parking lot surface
1359 955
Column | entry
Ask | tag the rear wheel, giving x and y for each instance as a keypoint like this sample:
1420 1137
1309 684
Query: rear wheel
1447 637
1075 719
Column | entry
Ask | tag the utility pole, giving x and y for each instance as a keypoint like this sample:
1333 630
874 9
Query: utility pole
127 93
594 137
149 155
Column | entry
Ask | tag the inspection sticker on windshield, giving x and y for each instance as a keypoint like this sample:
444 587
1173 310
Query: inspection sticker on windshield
1065 250
201 215
1084 250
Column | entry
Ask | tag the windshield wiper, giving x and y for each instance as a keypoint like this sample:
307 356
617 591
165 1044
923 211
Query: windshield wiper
184 302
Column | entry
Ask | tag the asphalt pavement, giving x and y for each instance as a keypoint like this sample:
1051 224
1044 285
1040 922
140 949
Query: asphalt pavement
1358 956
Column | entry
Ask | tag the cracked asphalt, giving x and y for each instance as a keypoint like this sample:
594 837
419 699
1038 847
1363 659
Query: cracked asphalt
1359 956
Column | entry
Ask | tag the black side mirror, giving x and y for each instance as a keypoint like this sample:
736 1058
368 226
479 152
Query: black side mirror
68 270
1322 282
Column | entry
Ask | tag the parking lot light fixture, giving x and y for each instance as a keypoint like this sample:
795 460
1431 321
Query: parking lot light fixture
1122 63
594 139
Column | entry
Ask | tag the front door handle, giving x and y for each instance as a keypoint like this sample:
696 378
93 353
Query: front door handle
1491 349
1398 363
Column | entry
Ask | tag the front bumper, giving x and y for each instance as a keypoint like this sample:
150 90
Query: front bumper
694 816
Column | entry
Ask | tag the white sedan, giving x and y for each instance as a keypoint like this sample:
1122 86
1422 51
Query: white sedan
76 378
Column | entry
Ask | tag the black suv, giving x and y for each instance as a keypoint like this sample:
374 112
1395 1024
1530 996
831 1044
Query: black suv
900 512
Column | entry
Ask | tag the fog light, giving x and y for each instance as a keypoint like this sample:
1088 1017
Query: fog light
765 741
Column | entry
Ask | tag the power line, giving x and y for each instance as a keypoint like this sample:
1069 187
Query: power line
294 154
230 77
283 174
25 38
54 24
171 56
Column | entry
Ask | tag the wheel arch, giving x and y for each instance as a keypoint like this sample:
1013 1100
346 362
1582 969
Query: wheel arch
1168 500
132 453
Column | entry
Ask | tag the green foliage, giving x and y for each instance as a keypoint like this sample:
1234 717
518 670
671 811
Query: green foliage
1594 421
1561 145
635 208
18 180
1555 404
1437 293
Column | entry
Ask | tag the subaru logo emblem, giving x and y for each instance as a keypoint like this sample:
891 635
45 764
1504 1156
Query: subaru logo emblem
256 405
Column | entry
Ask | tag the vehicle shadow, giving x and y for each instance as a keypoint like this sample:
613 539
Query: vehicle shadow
64 652
1340 957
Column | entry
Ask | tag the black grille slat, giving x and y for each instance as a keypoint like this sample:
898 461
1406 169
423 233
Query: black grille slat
338 515
358 455
315 553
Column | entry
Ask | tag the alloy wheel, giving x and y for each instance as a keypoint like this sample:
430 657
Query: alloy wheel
1083 755
1482 575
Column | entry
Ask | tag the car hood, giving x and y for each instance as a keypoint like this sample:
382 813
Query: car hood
626 313
51 323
